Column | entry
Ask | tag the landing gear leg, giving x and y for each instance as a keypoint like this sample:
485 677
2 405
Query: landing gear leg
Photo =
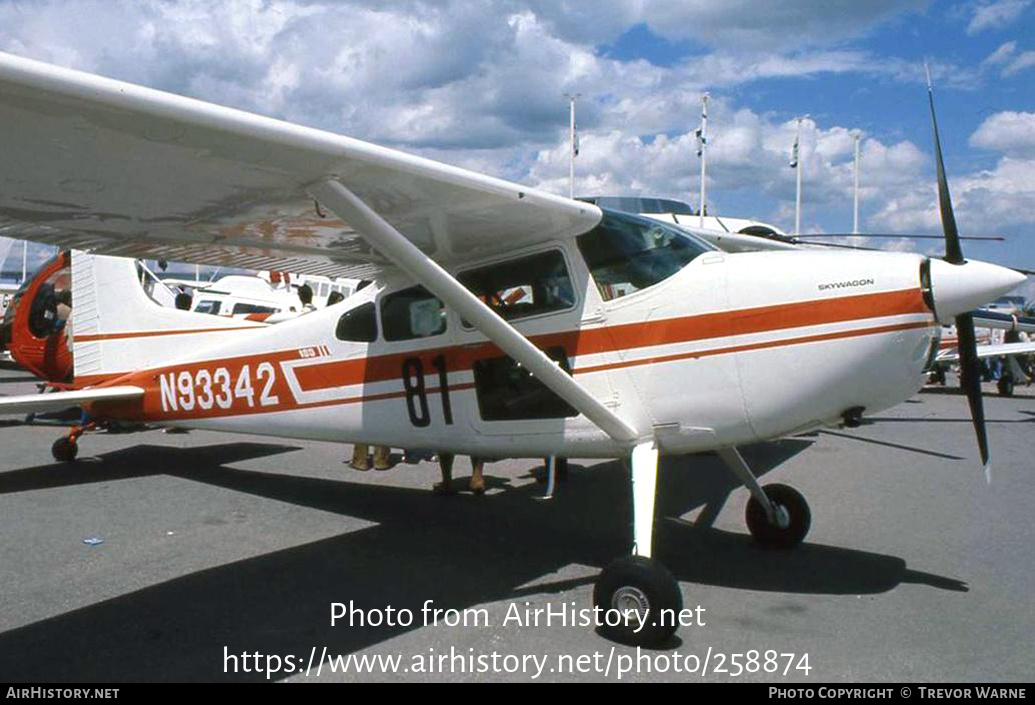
66 448
777 515
551 476
637 594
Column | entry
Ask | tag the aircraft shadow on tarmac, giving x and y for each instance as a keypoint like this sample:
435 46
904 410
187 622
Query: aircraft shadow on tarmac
460 552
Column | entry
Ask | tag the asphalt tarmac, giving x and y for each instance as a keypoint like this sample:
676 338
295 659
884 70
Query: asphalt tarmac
162 557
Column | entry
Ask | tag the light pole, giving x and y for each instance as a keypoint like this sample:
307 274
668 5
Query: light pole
855 210
796 163
702 152
572 148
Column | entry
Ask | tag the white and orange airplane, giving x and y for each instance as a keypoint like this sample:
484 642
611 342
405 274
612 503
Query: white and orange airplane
633 338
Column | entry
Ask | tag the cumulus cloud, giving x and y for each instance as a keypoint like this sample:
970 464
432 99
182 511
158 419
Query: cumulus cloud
996 15
997 200
480 84
1009 132
747 24
748 153
984 202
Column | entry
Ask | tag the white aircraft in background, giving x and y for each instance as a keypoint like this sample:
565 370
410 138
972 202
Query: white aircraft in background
1015 353
726 233
638 338
267 296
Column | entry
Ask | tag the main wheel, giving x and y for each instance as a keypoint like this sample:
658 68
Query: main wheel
793 515
1005 385
642 600
64 449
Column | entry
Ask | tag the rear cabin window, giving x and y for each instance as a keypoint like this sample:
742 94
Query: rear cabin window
208 306
528 286
412 313
252 308
627 253
358 325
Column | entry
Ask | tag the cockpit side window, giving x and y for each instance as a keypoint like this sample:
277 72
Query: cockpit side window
358 325
523 287
412 313
626 253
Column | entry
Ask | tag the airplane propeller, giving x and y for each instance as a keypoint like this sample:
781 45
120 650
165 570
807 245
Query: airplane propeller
970 374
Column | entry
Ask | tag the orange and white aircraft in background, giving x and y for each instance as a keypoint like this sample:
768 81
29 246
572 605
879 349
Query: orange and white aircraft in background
634 337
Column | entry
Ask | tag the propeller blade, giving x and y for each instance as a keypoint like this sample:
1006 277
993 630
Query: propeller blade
953 251
970 380
970 373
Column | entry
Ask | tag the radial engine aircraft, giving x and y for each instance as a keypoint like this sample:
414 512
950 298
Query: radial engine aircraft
633 338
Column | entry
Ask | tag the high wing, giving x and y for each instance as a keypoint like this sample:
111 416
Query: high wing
56 401
97 164
91 163
984 351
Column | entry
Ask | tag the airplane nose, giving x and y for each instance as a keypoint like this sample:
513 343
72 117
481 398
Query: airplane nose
959 288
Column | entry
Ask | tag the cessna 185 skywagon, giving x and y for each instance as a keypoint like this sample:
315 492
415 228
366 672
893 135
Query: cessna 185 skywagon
632 338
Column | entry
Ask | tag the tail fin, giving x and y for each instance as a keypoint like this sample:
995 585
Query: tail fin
117 328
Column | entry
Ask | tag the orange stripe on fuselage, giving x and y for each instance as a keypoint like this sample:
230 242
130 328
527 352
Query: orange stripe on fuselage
630 336
380 368
156 333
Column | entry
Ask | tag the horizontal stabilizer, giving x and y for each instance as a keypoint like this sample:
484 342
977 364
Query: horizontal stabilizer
56 401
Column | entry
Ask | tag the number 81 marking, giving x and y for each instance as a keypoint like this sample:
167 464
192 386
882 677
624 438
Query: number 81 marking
416 393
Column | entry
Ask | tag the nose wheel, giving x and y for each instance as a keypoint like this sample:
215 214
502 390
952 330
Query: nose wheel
791 519
777 515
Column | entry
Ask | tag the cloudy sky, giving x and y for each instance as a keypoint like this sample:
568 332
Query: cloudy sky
479 83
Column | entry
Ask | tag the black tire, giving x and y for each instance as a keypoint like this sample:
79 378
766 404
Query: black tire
64 450
1005 386
636 581
774 536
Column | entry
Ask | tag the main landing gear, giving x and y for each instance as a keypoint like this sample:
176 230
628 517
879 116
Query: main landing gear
66 448
638 599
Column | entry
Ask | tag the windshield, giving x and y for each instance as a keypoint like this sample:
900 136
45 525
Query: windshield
627 253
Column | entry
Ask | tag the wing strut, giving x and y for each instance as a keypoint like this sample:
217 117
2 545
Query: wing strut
427 272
